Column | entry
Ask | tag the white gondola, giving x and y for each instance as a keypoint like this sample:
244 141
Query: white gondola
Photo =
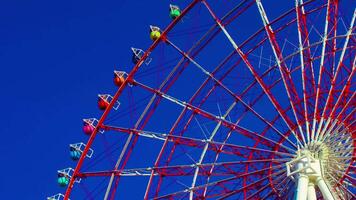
138 54
58 196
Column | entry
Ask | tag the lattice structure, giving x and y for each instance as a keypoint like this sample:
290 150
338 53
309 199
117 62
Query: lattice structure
257 102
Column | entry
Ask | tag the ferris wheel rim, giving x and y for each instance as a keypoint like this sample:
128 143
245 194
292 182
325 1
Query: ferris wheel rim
118 92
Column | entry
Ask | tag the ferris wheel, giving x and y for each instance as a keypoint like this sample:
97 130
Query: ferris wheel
243 99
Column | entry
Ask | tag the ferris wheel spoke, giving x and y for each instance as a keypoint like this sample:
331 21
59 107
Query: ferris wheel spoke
263 133
343 165
179 118
315 44
222 169
348 123
233 66
267 91
237 97
345 90
330 126
334 20
284 71
283 175
212 77
130 140
267 185
331 10
290 192
256 144
219 182
212 89
350 115
284 186
256 100
308 80
350 101
197 169
325 130
256 183
186 191
217 155
239 129
347 176
333 82
337 140
340 151
198 143
285 178
205 148
347 84
208 78
234 192
342 186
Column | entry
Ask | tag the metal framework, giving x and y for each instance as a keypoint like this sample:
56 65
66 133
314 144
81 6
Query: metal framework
274 118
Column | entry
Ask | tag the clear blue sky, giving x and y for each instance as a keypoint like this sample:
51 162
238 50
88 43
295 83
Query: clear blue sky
55 57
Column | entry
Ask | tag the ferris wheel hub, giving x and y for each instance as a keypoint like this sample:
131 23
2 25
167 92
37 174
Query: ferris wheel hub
307 170
319 163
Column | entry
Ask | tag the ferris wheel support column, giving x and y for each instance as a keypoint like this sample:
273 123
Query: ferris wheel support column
308 172
324 189
311 191
302 187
